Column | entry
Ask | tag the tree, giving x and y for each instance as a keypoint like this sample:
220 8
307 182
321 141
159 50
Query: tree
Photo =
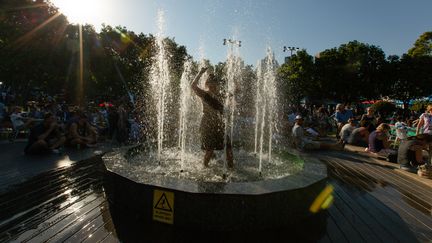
351 72
422 46
411 77
297 76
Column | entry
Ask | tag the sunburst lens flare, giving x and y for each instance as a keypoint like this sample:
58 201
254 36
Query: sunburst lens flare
94 12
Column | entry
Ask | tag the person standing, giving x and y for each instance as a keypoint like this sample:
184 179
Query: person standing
212 125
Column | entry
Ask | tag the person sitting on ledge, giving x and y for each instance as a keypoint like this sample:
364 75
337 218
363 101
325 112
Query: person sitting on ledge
301 142
212 124
45 137
360 136
410 153
82 133
347 129
379 143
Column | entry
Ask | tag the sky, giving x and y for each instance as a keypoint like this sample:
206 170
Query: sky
315 25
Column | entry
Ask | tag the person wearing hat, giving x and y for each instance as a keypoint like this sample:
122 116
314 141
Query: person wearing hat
410 152
302 142
212 126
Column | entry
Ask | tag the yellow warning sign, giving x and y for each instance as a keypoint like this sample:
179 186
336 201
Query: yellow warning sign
163 206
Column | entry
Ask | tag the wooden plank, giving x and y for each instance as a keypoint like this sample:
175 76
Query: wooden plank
424 181
418 201
88 211
380 221
38 227
403 182
380 191
359 217
101 233
334 233
87 231
26 192
32 210
111 238
347 229
385 177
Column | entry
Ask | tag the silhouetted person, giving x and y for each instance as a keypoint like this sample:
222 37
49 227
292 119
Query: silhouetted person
212 125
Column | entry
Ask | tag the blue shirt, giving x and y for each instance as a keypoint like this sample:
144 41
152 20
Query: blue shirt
342 117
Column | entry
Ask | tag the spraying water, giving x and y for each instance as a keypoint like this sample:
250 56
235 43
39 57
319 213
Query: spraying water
185 104
233 80
160 80
265 105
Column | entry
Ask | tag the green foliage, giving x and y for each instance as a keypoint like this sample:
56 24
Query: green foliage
384 107
409 77
422 46
40 49
420 106
351 71
297 76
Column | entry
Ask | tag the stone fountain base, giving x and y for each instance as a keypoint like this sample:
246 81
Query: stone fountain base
217 206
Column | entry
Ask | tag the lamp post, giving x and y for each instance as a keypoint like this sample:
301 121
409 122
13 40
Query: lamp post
232 42
291 49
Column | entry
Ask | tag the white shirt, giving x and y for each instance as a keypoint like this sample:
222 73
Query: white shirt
346 131
16 119
299 137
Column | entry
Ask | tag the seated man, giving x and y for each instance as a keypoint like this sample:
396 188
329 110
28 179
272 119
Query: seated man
301 142
360 135
45 137
82 133
18 121
410 153
347 129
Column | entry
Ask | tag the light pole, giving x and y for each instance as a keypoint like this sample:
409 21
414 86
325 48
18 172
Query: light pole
232 42
291 49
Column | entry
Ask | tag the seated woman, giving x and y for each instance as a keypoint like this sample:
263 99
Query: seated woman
370 118
410 153
379 141
82 133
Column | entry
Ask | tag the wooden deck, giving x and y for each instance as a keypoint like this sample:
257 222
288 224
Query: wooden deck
374 202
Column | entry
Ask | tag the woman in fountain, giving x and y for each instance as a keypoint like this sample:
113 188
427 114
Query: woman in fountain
212 124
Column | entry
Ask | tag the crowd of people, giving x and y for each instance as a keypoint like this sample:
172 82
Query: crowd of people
51 125
398 137
401 136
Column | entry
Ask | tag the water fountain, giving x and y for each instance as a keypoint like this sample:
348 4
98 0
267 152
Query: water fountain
270 187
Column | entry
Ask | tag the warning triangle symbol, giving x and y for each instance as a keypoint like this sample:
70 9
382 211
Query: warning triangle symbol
163 204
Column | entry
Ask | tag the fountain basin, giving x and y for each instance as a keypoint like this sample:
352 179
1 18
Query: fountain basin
220 206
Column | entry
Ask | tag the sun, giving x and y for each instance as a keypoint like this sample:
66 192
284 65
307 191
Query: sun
94 12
